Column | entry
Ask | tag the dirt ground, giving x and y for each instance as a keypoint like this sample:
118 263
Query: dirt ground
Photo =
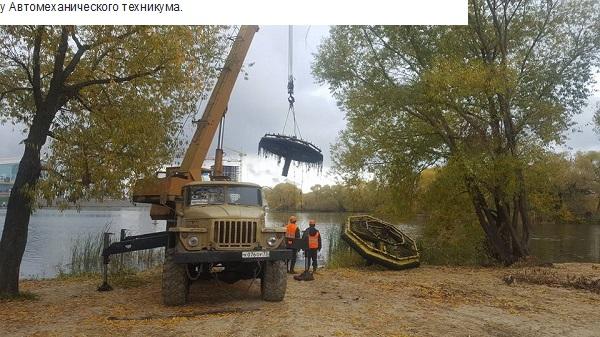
427 301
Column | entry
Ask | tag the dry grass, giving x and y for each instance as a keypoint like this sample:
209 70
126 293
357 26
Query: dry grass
553 278
134 280
426 301
22 296
531 261
127 281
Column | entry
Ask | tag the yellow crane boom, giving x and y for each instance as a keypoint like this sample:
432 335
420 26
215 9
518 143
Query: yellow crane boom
163 192
217 104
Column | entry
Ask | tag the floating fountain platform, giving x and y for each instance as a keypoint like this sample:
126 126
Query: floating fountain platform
290 149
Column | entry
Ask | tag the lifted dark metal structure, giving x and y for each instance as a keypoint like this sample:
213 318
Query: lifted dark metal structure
290 148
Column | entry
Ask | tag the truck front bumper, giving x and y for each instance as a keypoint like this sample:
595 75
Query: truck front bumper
215 256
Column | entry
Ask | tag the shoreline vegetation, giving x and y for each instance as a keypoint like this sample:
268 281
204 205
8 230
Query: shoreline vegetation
562 188
451 234
86 261
453 246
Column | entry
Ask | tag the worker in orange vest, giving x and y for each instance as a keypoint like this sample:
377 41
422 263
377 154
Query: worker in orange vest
313 239
292 232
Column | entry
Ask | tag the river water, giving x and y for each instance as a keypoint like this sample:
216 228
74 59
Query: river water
52 233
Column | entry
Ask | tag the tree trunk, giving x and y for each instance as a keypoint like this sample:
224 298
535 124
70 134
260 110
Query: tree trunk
20 205
523 207
501 226
489 224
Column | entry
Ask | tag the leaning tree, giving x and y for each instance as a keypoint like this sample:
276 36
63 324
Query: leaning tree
483 98
101 107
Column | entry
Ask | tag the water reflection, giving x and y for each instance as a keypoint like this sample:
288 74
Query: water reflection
328 224
552 242
51 234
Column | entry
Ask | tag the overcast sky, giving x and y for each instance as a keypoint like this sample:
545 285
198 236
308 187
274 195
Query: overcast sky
259 105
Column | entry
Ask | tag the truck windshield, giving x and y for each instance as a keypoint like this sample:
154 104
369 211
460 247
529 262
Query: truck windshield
207 195
244 195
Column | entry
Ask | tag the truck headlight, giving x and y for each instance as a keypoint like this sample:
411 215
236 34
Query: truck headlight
272 241
193 241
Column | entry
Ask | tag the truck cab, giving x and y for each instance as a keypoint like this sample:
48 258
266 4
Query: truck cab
223 215
221 233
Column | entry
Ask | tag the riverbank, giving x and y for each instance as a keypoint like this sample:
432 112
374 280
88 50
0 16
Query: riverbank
427 301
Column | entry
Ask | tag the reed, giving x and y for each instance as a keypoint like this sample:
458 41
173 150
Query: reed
86 258
342 255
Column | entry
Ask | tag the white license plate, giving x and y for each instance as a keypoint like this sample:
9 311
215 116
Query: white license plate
254 255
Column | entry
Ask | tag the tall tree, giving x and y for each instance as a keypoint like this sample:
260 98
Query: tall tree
484 98
284 197
111 99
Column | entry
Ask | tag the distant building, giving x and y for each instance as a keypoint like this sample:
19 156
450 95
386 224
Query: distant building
233 172
8 174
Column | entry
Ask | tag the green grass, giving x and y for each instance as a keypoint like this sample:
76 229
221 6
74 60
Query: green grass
22 296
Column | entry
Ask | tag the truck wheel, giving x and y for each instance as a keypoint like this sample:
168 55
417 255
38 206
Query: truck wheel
274 281
175 282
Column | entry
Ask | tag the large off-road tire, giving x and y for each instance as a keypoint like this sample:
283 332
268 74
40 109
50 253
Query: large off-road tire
175 281
274 281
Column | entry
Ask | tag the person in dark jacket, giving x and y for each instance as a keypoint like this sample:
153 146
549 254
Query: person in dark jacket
292 232
312 238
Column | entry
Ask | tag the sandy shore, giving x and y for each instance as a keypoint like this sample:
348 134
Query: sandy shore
428 301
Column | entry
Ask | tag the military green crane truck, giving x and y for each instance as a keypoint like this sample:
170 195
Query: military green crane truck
215 228
222 234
